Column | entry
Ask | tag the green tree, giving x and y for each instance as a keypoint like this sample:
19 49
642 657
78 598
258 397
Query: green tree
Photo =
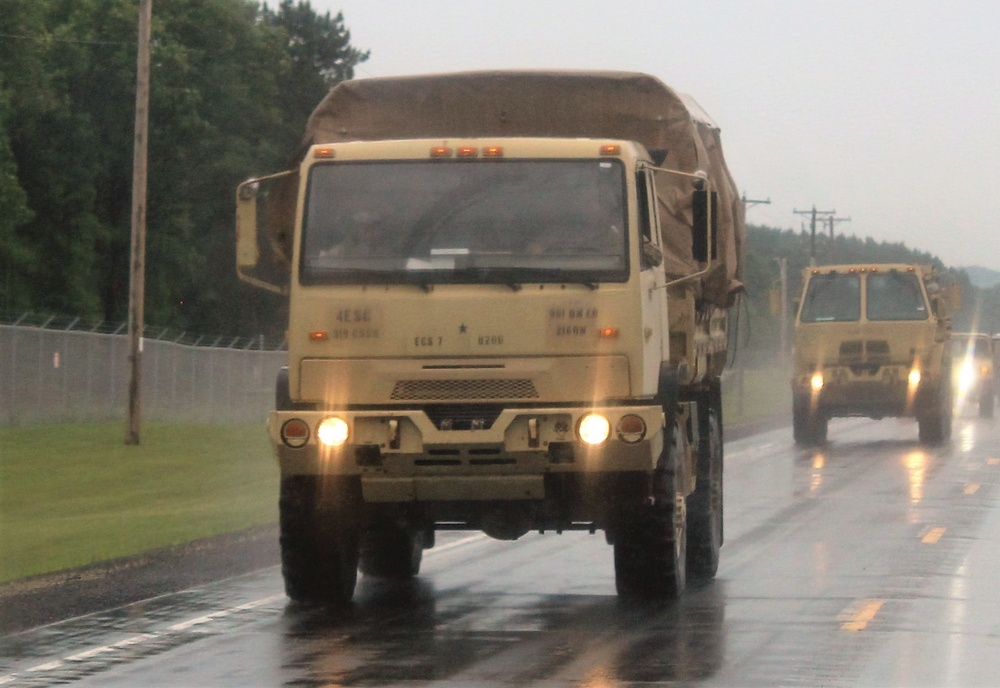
231 87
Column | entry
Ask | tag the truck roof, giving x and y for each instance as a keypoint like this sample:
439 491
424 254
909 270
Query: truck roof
559 104
590 104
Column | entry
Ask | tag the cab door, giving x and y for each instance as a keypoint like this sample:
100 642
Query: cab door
652 281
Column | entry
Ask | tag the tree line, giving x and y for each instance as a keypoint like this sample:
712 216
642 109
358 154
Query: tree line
232 84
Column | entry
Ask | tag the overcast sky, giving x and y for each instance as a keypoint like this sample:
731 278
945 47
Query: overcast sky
886 111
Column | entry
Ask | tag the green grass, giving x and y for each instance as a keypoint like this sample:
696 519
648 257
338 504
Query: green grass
75 494
72 495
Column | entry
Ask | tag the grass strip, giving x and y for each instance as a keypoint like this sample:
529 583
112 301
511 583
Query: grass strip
75 494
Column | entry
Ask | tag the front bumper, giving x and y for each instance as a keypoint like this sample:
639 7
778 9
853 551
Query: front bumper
875 393
402 455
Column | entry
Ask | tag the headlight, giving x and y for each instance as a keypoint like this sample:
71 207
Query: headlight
816 382
594 429
914 377
333 432
966 378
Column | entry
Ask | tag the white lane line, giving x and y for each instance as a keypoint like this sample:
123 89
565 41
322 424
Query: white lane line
139 639
197 621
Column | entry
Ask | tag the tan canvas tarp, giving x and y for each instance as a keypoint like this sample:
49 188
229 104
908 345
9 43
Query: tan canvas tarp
613 105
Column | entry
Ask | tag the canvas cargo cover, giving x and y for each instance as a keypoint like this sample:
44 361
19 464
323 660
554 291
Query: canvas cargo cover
563 104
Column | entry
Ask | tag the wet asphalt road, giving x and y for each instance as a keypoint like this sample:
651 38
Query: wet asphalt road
870 562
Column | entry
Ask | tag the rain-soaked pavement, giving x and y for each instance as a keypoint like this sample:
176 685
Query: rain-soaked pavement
871 562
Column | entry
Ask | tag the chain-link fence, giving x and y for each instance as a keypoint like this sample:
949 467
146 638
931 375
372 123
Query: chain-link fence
64 375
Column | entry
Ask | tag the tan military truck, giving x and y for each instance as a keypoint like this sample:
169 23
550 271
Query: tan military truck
507 312
873 341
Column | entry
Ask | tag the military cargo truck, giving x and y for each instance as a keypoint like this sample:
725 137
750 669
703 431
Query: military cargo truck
873 341
507 312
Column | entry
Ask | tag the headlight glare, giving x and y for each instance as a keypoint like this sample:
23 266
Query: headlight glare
816 382
594 429
333 432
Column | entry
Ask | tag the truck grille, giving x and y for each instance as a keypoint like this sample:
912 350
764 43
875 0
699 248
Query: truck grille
870 350
443 390
463 416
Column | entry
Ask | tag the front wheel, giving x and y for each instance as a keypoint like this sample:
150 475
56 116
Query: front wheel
650 545
934 425
986 403
808 427
319 540
704 505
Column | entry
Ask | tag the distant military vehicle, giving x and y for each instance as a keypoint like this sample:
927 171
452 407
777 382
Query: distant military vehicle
873 341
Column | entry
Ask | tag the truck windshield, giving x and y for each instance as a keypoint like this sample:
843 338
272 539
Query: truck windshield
895 296
453 221
832 298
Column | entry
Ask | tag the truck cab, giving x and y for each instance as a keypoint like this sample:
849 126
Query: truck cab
872 341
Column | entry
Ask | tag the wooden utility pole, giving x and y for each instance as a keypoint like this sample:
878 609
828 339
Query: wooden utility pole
137 257
783 276
812 225
831 220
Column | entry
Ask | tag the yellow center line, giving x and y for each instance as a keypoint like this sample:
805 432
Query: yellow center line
858 618
933 535
972 488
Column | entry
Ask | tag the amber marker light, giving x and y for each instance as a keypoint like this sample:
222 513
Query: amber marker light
467 152
607 333
319 336
325 152
440 152
295 433
493 152
611 149
631 429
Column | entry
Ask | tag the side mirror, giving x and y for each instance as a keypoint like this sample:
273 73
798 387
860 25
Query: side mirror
247 251
258 260
704 225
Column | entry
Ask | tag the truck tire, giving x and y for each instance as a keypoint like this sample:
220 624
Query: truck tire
808 427
650 545
390 549
934 425
986 404
705 504
319 542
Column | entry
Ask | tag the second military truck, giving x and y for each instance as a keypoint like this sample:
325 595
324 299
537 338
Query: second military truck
873 341
507 312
